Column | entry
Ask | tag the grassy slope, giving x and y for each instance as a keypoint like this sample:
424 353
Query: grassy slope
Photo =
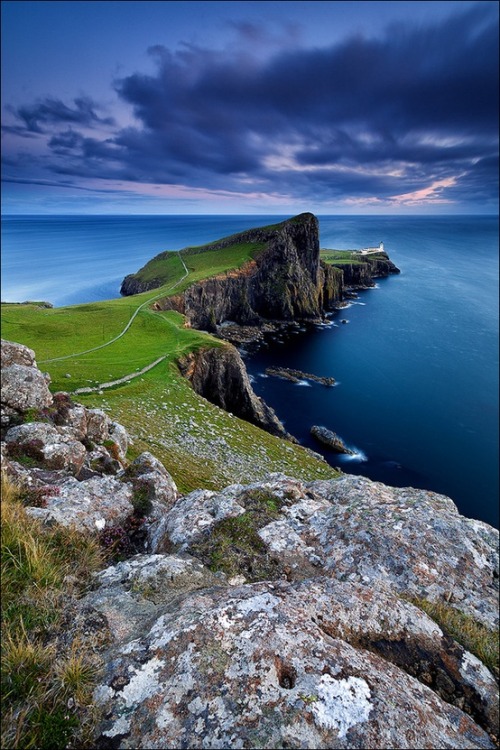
200 261
201 445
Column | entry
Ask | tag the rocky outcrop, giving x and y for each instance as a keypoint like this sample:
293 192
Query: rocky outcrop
220 376
71 462
414 541
285 280
361 274
331 439
295 376
267 666
276 614
282 282
333 657
132 285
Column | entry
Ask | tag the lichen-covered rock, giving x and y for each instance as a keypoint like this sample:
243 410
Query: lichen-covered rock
256 666
46 444
118 434
198 512
76 420
149 476
413 539
98 424
101 461
16 354
91 505
24 387
130 592
362 531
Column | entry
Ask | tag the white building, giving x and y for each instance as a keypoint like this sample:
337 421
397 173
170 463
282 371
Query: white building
369 250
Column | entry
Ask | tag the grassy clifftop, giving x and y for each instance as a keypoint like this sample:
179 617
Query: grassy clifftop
201 445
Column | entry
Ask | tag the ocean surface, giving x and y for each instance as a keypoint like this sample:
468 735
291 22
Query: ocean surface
416 366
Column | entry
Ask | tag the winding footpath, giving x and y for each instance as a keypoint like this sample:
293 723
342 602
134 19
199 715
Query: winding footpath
132 375
124 379
112 341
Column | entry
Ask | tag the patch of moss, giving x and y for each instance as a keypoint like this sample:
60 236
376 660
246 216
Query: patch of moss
233 546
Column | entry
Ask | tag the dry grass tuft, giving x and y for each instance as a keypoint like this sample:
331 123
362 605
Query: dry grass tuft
46 686
472 635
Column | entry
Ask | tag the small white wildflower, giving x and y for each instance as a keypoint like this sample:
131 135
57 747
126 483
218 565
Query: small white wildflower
100 523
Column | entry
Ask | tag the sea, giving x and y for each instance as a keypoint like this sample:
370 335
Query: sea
416 365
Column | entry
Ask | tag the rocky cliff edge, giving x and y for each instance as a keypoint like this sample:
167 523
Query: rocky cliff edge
276 614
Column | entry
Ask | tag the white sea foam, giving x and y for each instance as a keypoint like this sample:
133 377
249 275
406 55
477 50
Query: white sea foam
304 382
358 455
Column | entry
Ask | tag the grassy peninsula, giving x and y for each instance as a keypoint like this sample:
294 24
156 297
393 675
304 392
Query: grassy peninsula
200 444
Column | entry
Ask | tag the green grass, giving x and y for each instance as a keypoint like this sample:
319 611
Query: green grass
46 687
201 445
351 257
234 546
201 262
166 266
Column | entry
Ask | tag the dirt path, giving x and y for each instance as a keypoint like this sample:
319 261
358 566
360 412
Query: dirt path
124 379
108 343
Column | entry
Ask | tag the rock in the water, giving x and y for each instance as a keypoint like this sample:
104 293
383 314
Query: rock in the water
331 439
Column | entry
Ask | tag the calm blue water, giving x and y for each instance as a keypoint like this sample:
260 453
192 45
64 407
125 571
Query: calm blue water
417 365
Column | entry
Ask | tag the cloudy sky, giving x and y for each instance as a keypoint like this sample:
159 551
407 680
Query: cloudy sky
250 107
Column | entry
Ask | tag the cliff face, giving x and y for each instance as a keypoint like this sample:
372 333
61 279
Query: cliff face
331 285
283 282
220 376
362 274
132 285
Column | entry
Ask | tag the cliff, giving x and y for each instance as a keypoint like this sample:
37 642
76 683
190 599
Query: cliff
283 279
282 282
361 274
220 376
279 613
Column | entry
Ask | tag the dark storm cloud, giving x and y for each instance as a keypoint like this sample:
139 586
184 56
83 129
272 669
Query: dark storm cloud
48 112
367 117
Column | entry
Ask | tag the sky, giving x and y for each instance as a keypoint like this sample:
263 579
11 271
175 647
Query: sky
250 107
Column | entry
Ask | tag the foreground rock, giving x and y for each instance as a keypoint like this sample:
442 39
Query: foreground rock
331 439
71 465
272 665
275 614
